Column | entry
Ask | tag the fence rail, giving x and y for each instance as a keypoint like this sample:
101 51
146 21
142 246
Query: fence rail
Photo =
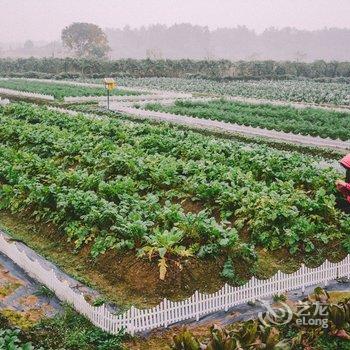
169 312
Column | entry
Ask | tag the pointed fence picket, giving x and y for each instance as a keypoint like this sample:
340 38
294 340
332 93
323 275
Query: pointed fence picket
170 312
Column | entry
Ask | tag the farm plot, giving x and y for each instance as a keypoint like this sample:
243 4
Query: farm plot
310 121
305 91
59 90
163 193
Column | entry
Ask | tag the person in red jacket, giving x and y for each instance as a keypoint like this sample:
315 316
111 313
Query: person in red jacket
344 186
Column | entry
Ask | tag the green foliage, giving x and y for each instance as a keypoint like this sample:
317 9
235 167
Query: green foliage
86 40
99 301
246 335
185 341
161 191
59 91
305 91
228 272
67 331
163 244
208 69
70 330
221 340
252 334
9 340
45 292
279 297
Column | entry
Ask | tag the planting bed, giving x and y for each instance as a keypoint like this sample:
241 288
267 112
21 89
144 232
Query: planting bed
305 91
310 121
59 90
118 188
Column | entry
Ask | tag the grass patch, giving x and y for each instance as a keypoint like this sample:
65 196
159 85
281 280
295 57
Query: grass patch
69 331
8 288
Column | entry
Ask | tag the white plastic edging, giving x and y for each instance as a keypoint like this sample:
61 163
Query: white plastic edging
17 93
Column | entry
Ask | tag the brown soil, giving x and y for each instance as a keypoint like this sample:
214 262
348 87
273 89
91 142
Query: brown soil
29 301
8 283
125 279
190 206
7 278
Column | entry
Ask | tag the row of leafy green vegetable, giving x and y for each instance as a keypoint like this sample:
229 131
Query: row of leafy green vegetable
325 153
160 191
304 91
310 121
59 91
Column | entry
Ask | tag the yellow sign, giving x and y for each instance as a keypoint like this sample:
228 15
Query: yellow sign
110 84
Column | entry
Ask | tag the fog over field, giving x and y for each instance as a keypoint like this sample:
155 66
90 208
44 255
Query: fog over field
231 29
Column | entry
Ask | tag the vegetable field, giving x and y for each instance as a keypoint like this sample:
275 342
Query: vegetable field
59 91
163 193
315 122
306 91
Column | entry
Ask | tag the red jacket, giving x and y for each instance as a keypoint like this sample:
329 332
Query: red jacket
345 191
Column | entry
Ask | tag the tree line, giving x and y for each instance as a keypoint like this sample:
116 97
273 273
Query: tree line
180 41
185 68
239 43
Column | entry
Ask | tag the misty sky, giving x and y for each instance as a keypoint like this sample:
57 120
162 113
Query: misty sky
44 19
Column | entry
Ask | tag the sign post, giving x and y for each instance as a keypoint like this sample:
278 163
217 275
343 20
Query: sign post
110 85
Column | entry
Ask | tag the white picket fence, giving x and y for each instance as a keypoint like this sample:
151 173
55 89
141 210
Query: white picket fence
169 312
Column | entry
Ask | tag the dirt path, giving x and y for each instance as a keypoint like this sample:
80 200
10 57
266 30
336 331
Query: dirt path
21 296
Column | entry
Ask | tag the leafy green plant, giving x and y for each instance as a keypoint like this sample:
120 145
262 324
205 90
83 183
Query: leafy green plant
279 297
58 90
228 273
185 341
71 331
164 244
302 91
45 292
163 192
9 340
98 301
315 122
253 335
